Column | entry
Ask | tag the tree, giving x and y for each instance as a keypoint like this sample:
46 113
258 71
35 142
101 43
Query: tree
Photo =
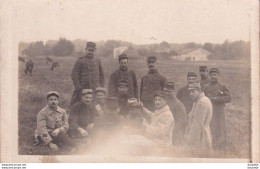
63 48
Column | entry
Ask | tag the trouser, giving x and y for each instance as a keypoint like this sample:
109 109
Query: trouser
75 96
62 137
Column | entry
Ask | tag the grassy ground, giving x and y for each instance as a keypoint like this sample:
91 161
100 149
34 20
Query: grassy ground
33 89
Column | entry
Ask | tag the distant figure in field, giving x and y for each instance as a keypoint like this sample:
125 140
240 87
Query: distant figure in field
198 133
52 123
204 76
48 60
123 73
29 67
152 82
54 65
178 112
183 94
82 115
87 73
219 96
20 58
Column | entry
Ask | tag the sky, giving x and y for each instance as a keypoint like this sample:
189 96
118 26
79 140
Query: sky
136 21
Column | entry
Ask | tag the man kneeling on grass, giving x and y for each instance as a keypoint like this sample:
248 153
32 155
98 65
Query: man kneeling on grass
52 123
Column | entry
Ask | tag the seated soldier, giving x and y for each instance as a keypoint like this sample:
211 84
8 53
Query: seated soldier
159 131
82 115
123 96
52 123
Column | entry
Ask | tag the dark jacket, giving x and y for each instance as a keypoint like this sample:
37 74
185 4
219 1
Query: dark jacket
219 95
88 73
150 84
204 82
81 115
184 96
180 118
129 76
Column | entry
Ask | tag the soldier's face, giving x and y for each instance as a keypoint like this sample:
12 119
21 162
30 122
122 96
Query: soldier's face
123 63
122 90
90 52
214 76
53 102
191 79
87 98
194 94
203 74
100 96
159 102
152 65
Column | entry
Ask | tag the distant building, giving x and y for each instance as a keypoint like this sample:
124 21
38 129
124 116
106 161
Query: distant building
193 54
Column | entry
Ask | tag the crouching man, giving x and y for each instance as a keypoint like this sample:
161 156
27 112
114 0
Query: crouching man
82 115
198 132
159 131
52 123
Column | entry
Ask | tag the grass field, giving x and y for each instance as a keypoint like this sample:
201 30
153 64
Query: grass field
33 89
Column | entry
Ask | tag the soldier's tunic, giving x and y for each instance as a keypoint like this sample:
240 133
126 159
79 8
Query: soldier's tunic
184 96
87 73
204 82
129 76
219 95
152 82
179 115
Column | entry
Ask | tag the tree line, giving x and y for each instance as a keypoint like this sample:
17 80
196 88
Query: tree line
236 50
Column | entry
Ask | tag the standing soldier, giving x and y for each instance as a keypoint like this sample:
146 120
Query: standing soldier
183 94
126 74
178 112
204 76
219 95
87 73
151 83
29 67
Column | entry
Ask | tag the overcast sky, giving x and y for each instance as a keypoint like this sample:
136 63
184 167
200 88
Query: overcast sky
136 21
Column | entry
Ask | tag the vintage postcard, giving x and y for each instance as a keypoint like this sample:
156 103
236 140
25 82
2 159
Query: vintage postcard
129 81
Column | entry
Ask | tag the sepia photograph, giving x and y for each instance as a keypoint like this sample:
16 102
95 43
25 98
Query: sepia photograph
130 81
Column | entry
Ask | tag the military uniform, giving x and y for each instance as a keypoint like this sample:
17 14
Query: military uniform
204 82
152 82
127 75
219 95
87 73
29 67
184 96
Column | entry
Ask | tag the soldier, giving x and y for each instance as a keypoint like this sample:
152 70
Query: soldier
123 73
219 96
87 73
122 96
82 115
204 77
178 112
152 82
29 67
52 123
183 93
198 133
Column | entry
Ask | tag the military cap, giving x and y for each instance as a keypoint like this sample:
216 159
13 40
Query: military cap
122 82
53 93
100 89
122 56
203 68
132 102
86 91
160 94
91 45
214 70
193 86
170 86
191 74
151 59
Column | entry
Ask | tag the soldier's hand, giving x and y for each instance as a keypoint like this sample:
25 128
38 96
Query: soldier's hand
141 105
90 126
83 132
56 132
53 146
